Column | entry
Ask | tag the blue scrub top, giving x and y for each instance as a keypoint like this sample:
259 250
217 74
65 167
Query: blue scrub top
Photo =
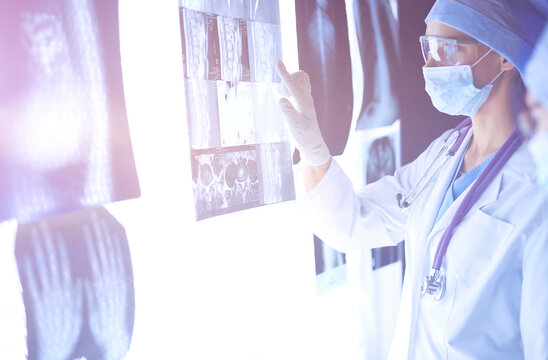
460 183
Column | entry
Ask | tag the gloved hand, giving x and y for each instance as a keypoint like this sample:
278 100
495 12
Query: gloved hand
301 116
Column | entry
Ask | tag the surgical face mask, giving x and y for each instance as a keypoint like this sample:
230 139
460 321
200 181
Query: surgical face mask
452 89
538 146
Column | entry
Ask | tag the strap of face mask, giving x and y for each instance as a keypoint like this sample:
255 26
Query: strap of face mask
483 57
496 77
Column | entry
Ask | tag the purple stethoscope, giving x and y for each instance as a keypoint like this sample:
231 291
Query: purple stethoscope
434 283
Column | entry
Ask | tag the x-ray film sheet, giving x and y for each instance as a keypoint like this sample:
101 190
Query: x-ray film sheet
202 114
202 53
266 49
234 49
324 54
243 177
267 116
235 104
266 11
77 281
225 180
330 267
235 124
276 172
64 136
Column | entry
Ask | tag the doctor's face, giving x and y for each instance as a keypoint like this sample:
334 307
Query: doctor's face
484 71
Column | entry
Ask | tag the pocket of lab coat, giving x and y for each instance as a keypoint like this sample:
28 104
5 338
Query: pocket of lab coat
478 244
483 264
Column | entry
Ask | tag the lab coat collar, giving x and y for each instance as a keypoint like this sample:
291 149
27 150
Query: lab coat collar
433 199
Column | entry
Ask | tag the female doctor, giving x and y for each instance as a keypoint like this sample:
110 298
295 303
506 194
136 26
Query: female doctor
474 220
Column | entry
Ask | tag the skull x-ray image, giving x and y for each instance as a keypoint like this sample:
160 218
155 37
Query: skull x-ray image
376 26
324 53
77 283
240 150
381 161
64 136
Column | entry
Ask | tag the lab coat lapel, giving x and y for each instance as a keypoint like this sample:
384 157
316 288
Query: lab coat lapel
489 195
433 198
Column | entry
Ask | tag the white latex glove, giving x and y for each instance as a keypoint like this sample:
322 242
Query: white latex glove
301 116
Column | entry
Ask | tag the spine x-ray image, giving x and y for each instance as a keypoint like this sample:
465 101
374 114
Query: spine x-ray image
64 137
240 150
77 282
324 53
376 27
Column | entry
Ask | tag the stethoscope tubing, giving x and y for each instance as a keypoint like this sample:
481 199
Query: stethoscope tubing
404 202
486 177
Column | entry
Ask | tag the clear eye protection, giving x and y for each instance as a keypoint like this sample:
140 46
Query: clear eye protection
448 51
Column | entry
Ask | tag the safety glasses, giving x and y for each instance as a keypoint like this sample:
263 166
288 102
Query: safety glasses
448 51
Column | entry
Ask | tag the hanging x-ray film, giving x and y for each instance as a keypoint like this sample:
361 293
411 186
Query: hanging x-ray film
240 150
324 53
64 136
77 286
377 30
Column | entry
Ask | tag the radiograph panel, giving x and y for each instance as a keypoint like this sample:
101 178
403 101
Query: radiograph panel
240 150
265 11
324 53
330 267
234 49
202 114
380 157
376 27
225 180
236 113
266 49
276 172
77 282
64 136
268 118
202 53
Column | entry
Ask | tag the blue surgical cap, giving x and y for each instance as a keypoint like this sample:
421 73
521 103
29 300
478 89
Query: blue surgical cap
536 72
509 27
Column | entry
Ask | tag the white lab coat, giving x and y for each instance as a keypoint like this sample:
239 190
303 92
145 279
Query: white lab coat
496 300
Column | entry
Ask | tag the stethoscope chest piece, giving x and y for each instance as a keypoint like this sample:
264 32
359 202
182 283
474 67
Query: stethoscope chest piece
434 284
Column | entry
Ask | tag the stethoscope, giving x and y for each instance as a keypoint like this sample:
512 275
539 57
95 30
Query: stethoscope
434 283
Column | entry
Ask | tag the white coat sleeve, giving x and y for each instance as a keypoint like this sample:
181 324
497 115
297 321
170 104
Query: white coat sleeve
369 218
534 295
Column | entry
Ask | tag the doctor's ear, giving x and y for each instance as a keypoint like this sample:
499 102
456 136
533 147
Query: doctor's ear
506 65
